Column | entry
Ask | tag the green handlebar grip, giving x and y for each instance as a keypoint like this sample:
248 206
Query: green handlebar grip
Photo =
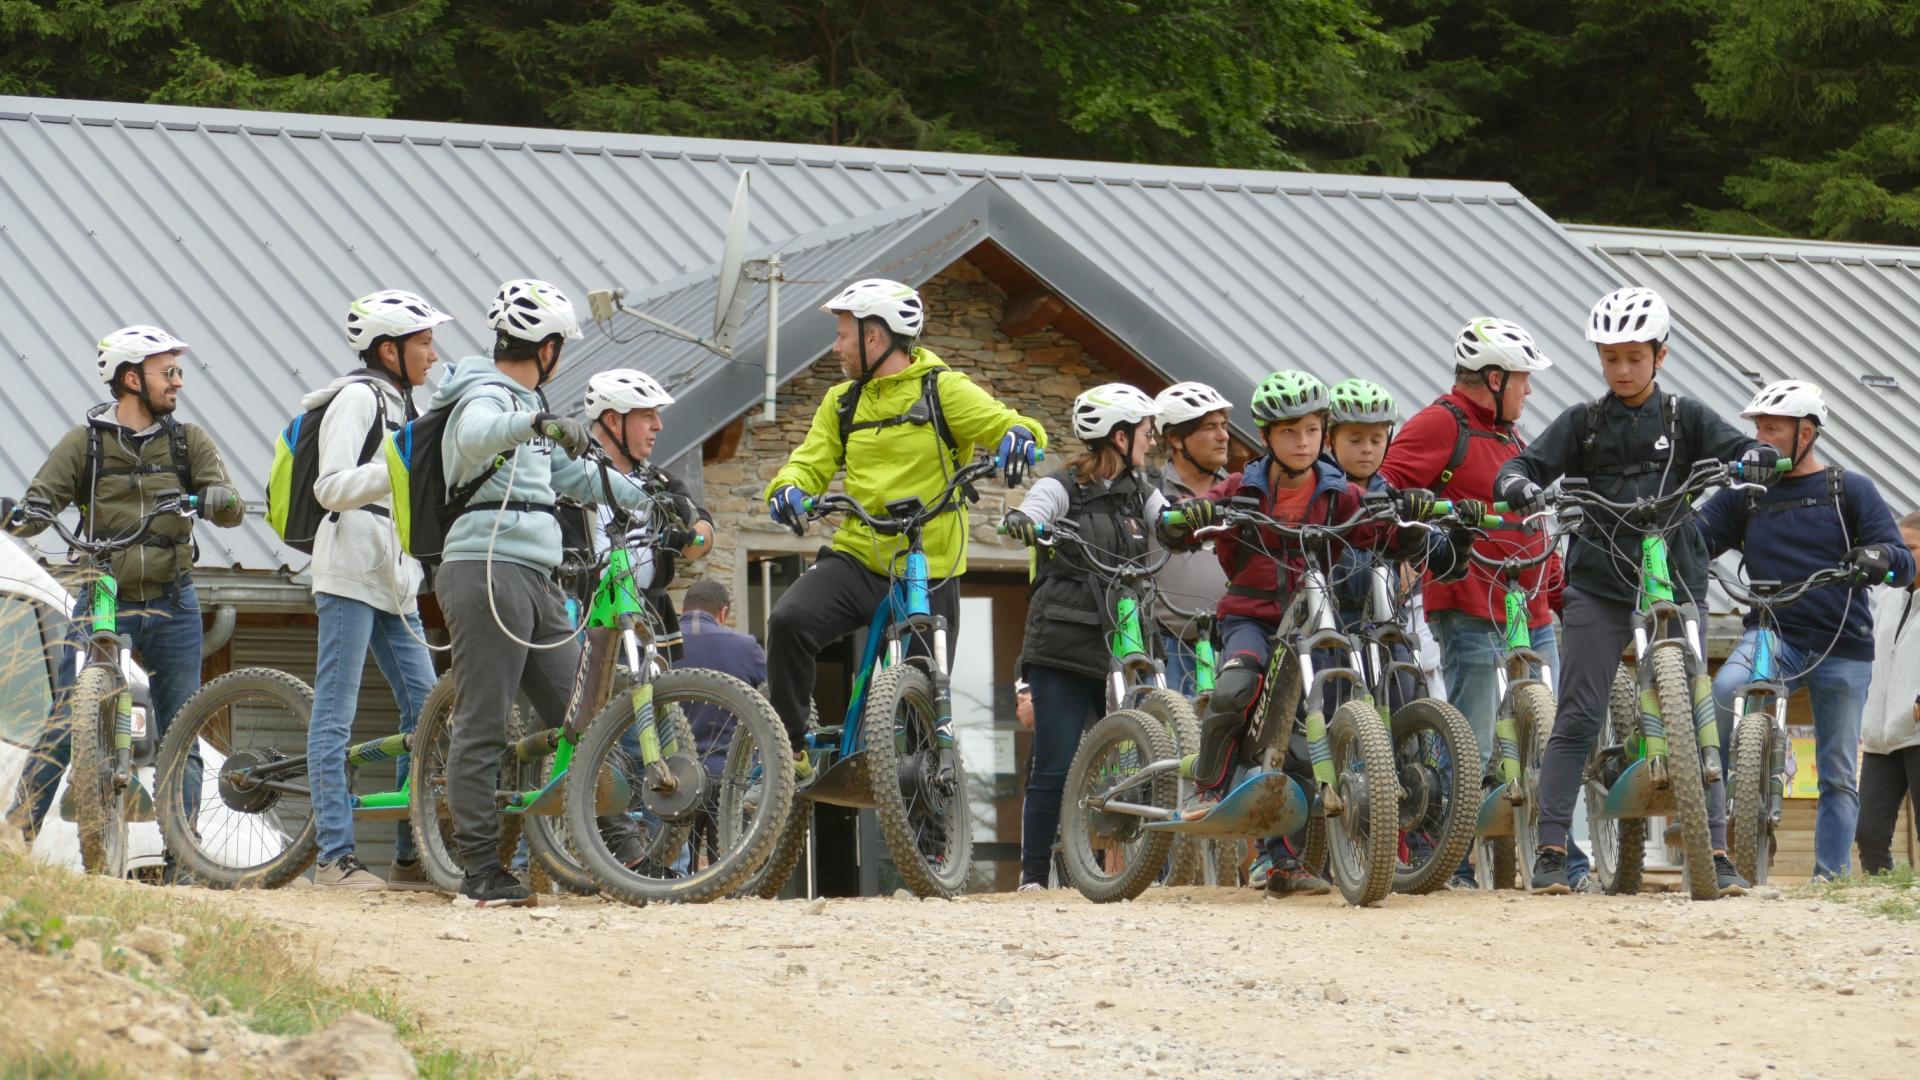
1783 465
1501 508
1174 517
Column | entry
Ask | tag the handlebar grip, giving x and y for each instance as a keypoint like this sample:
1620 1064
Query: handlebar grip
1501 508
1039 528
1173 517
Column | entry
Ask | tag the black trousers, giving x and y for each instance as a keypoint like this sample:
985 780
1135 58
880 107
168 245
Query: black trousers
835 597
1885 781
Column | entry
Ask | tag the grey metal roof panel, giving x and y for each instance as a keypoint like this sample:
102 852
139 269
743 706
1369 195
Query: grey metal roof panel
1835 314
245 233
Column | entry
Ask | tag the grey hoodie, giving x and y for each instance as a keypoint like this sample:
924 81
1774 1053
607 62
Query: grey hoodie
1887 724
494 416
358 554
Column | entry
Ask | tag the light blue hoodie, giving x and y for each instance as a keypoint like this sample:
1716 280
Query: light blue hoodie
495 416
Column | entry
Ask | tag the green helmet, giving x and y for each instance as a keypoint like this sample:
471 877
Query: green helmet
1357 401
1288 395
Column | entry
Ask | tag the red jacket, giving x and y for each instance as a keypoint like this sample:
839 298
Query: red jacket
1419 454
1254 585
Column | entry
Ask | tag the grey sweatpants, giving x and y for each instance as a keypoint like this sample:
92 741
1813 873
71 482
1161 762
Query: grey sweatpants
492 669
1593 634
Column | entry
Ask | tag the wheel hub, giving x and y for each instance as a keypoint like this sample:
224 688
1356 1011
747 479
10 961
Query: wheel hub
1419 787
238 788
680 801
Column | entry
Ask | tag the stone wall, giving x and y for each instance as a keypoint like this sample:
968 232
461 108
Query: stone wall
1038 374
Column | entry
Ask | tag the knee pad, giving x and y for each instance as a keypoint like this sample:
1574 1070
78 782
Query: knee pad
1237 686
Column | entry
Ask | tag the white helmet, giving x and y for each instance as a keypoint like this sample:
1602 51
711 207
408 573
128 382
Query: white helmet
624 390
1788 397
1631 314
1107 406
131 345
1184 401
393 313
877 298
532 311
1487 342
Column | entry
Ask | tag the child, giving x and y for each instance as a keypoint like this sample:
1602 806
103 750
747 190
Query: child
1642 446
1290 483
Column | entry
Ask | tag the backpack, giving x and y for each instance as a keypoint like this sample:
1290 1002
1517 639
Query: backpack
292 508
180 467
924 411
425 506
1595 417
1466 433
1835 497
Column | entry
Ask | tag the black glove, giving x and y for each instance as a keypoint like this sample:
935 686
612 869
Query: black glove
1470 512
1020 527
1414 503
569 432
1199 513
1870 564
1520 494
1756 465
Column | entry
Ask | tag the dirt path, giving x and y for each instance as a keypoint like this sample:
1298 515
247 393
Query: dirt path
1184 982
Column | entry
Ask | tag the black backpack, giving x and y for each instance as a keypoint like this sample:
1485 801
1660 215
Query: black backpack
1465 434
292 508
924 411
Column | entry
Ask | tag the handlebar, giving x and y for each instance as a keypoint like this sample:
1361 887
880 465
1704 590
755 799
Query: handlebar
904 515
1702 475
178 505
1065 531
1775 594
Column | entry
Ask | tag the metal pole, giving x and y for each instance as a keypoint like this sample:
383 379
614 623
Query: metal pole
773 336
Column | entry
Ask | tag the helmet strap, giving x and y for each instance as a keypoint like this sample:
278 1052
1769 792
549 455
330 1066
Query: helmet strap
1800 454
618 433
1499 395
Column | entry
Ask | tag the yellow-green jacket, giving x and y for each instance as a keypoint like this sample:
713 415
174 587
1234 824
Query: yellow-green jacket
901 461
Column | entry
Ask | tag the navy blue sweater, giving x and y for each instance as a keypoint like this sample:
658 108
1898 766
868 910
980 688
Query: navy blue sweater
1790 544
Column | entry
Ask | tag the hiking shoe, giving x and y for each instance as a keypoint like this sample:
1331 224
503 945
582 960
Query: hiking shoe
1031 886
1550 872
1728 878
1258 873
409 876
494 886
346 872
1289 878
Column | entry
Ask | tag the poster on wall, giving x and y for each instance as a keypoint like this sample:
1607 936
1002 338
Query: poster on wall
1802 765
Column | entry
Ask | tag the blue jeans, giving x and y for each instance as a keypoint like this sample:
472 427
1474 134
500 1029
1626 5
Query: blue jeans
1471 652
1065 705
166 634
348 628
1838 689
1180 664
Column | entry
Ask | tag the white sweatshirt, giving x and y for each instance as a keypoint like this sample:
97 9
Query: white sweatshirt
357 555
1887 724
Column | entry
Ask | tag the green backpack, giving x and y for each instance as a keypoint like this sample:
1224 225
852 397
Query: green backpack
292 508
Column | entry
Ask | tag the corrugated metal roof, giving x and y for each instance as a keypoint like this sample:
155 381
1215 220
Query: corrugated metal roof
245 233
1844 316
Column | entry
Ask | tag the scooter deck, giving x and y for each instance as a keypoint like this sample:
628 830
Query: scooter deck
1265 804
847 782
1635 796
1496 813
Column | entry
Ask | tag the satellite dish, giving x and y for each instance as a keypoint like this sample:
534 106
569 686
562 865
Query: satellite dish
730 303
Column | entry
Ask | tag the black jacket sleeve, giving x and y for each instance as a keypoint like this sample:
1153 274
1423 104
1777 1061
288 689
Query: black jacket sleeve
1550 456
1711 436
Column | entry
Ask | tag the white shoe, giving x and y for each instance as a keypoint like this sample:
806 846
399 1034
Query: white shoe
346 872
1031 886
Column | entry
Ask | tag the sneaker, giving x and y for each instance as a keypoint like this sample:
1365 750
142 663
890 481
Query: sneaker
409 876
1289 878
802 767
1462 883
346 872
1257 875
1550 872
1728 878
1031 886
494 886
172 874
1589 884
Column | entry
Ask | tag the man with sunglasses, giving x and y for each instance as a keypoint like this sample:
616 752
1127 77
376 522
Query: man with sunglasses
128 456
